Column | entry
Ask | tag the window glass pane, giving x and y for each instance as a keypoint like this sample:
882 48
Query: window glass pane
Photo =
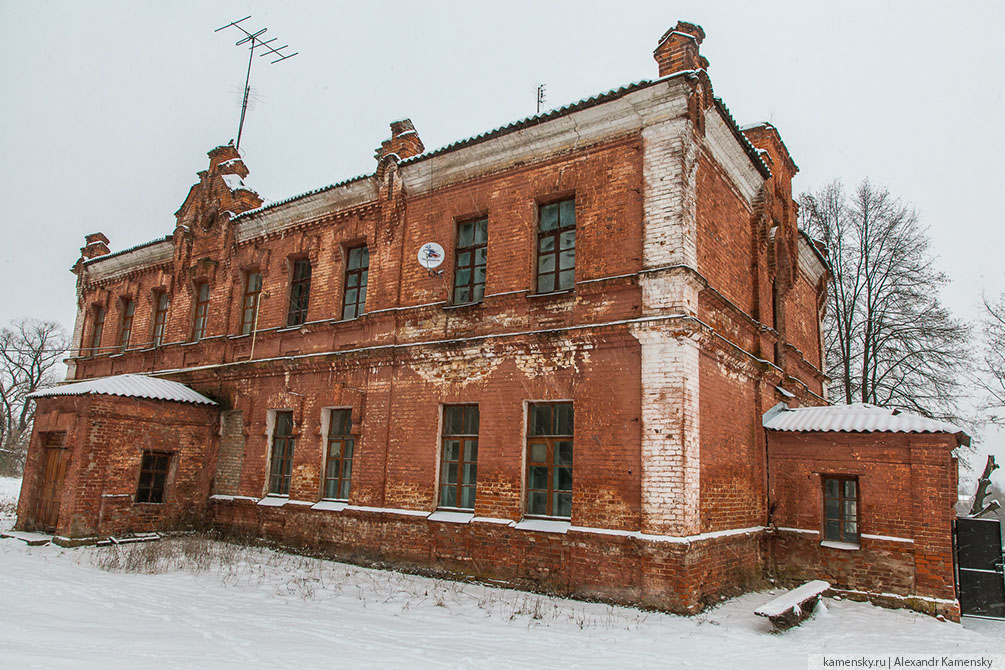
564 416
849 488
451 473
452 420
563 454
352 281
344 492
546 244
463 276
546 263
468 497
851 529
330 490
832 508
354 258
540 420
465 234
832 530
470 473
471 450
546 284
334 449
347 448
349 312
462 295
538 477
480 275
568 239
471 420
453 450
538 502
850 509
481 254
568 214
364 257
563 479
549 217
346 468
562 505
464 259
479 292
566 259
831 487
538 453
448 496
565 280
482 231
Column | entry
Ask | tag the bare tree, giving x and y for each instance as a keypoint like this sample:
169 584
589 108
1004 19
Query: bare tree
888 339
29 352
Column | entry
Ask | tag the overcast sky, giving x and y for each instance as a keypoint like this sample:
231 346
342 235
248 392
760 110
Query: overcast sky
107 109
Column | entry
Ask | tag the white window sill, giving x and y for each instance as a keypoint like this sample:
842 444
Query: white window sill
551 294
844 546
449 516
331 505
462 305
274 501
544 525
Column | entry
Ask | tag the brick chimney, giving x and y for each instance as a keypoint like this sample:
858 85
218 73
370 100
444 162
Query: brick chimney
678 49
95 244
404 141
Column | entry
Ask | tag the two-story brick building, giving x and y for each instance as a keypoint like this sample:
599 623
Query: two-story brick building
572 400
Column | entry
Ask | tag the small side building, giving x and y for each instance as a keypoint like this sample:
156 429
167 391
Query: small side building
863 497
118 455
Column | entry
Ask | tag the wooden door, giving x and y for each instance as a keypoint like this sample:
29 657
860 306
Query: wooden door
57 458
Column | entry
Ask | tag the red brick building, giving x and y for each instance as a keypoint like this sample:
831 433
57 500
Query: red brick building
572 400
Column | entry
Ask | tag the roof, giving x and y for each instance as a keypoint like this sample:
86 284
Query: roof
854 418
129 386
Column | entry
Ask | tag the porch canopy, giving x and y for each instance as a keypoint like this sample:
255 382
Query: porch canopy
129 386
856 418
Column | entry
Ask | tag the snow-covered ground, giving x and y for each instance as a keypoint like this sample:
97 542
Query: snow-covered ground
195 603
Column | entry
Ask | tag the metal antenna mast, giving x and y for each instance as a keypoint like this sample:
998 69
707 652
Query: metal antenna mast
540 97
255 38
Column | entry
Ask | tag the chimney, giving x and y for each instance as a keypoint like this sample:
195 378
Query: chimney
404 142
95 244
678 49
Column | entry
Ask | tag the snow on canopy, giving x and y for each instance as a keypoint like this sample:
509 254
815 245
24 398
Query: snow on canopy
129 386
855 418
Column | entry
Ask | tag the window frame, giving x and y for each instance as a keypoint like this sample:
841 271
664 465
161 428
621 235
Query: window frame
158 480
300 292
362 274
472 248
126 326
97 328
551 441
249 312
281 464
341 482
462 462
161 304
842 518
200 315
556 251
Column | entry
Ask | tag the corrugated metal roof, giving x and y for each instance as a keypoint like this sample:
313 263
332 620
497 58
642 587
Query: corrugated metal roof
854 418
129 386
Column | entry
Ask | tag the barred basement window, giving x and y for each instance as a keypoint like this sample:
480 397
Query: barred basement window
470 261
556 246
841 509
153 475
128 311
201 311
160 317
459 469
300 292
549 460
249 306
338 469
356 271
99 325
281 468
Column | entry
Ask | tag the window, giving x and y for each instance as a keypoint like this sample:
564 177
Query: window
99 325
356 269
252 295
549 460
338 468
459 468
153 476
469 268
300 292
128 311
841 509
201 311
282 454
556 246
160 317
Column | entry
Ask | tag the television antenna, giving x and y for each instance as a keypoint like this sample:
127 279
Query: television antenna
430 257
540 97
256 41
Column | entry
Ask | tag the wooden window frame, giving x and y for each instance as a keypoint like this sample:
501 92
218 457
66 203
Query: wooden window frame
200 317
281 454
550 246
300 291
337 481
354 292
250 302
466 461
126 328
466 264
161 304
843 517
97 328
155 467
552 442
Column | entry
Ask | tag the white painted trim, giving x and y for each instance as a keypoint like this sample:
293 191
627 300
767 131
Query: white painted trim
798 530
451 517
493 520
387 510
226 498
888 538
543 525
844 546
330 506
273 501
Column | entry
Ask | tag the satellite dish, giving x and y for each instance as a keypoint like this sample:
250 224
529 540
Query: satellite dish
430 255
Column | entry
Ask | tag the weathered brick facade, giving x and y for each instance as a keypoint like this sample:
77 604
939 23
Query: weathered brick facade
693 307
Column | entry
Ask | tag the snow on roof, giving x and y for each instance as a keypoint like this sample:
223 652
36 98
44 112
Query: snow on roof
854 418
129 386
235 183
